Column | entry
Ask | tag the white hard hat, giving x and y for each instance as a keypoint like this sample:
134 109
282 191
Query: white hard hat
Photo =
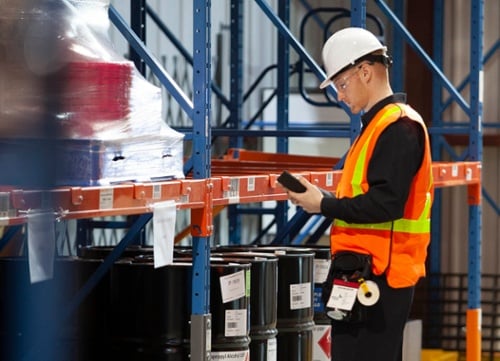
346 46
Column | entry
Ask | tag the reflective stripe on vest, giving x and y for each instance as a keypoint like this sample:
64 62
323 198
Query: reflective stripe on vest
420 225
357 177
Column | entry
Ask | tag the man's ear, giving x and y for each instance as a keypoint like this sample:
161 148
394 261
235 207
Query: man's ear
366 72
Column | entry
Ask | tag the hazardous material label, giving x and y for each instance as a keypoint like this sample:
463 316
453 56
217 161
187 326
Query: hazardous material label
322 343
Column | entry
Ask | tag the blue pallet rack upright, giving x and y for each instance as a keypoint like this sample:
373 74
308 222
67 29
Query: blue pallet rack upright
201 218
199 111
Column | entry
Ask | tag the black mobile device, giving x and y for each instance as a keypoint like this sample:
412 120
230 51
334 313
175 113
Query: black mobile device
291 182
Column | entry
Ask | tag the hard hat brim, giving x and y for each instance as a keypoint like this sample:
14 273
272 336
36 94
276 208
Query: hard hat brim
325 83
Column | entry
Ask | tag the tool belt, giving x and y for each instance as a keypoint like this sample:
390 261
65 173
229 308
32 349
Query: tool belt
347 291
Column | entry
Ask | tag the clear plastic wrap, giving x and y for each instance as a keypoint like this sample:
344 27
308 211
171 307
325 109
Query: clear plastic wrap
61 78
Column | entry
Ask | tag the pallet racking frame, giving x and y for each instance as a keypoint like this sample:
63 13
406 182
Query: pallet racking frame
205 191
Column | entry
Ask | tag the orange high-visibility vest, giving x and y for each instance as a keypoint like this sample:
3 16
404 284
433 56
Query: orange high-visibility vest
399 247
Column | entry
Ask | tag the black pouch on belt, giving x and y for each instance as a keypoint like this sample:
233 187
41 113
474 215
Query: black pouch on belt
348 270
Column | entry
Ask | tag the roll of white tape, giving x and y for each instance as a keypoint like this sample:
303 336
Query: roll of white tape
368 293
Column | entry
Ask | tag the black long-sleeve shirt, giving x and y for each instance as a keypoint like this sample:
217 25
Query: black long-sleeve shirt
396 158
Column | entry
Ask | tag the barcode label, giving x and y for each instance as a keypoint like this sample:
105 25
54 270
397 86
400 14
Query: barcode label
233 193
300 296
156 191
236 323
106 198
251 184
329 179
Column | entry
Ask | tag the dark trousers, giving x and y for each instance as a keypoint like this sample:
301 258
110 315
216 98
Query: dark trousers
380 337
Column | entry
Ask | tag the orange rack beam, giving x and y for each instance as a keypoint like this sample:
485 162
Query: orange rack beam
240 177
122 199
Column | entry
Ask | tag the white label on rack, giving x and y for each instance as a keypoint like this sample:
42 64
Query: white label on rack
4 204
468 174
41 245
156 191
251 184
454 170
300 295
232 286
235 323
321 268
329 179
164 214
106 198
233 193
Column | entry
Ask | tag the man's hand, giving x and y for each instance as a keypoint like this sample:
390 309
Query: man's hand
310 200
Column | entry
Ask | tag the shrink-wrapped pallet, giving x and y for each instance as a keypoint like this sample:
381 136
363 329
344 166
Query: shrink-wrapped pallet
62 82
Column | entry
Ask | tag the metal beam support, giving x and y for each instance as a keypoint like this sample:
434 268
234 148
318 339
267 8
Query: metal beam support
138 25
236 103
202 99
236 70
358 13
292 228
398 51
358 19
178 45
425 57
283 88
476 144
473 333
301 51
436 145
137 227
8 234
282 101
156 67
487 56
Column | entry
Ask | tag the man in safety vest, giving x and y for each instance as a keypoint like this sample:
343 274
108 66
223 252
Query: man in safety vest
382 204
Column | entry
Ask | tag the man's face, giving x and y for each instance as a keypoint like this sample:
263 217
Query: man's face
349 88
